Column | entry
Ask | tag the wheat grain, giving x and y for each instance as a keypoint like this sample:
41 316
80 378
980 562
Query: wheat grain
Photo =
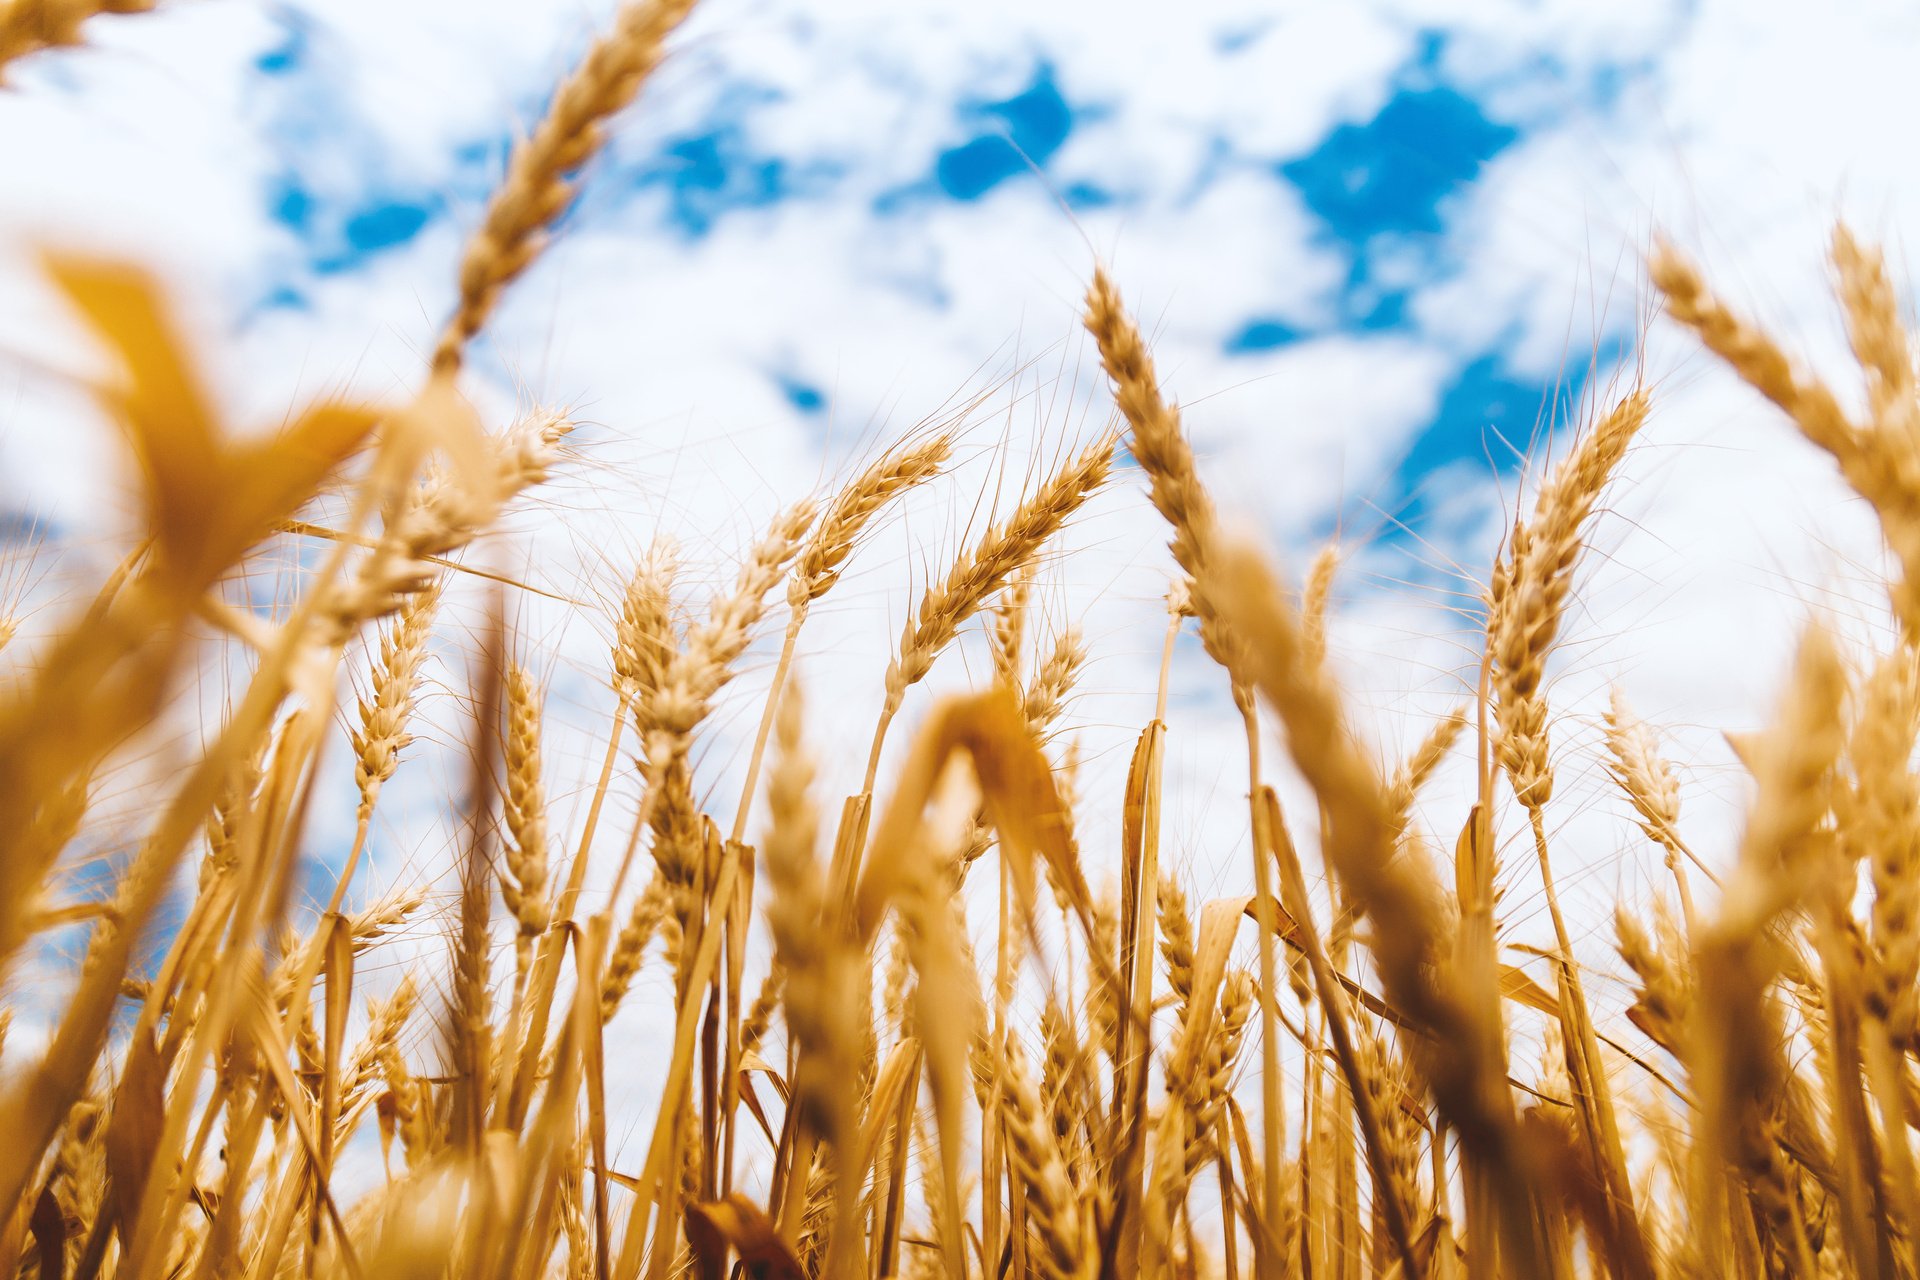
669 713
385 1020
706 661
1007 636
1160 446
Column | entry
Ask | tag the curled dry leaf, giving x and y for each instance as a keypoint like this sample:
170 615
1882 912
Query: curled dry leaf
209 496
738 1224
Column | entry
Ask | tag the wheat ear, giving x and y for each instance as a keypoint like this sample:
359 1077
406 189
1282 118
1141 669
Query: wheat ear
1001 552
1877 457
818 568
1528 595
1160 446
1418 767
1734 1050
524 885
539 181
692 677
1052 1202
1885 830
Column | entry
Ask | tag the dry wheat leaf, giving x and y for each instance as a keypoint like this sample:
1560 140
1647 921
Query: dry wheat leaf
49 1227
208 498
133 1131
737 1223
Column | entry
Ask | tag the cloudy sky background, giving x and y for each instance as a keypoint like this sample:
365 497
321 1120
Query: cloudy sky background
1387 253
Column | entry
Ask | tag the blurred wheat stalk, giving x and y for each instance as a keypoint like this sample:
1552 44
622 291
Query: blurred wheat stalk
895 1107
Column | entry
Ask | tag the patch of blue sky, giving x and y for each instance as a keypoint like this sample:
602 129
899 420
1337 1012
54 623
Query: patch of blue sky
803 395
334 189
1491 419
292 51
711 170
1013 133
1491 415
384 225
341 235
1394 174
1488 418
1232 39
1261 334
1382 192
1084 196
706 176
1004 139
1387 194
95 877
24 528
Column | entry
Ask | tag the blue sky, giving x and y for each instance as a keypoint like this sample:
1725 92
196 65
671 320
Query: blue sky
1376 195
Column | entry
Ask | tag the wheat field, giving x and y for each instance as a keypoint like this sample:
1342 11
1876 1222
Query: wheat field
921 1029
